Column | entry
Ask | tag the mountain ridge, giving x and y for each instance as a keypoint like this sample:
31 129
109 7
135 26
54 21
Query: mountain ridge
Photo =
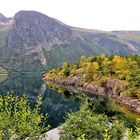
31 40
4 19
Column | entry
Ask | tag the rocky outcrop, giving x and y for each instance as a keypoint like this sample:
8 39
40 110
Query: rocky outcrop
32 28
111 88
50 135
53 134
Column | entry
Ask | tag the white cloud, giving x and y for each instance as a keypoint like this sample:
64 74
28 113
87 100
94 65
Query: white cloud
96 14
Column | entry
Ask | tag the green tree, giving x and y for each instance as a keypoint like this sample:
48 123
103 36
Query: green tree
83 61
120 66
87 125
66 69
89 72
18 120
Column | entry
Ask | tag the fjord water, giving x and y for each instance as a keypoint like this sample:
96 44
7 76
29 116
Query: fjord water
55 104
58 104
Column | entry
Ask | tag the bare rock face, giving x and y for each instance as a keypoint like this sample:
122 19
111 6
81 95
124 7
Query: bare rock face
33 33
115 86
32 28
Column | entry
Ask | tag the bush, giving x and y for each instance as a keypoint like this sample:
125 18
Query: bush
18 120
87 125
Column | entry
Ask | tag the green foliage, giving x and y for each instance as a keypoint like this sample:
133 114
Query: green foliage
89 72
137 126
66 69
18 120
133 134
106 135
87 125
101 68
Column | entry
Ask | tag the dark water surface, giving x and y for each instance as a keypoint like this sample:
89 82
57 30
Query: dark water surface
57 104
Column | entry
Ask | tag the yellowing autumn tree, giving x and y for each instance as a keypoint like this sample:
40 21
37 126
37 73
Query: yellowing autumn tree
91 71
120 66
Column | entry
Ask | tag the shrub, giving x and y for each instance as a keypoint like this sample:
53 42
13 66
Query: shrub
18 120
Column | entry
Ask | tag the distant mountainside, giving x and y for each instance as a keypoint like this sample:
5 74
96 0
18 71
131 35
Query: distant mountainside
4 19
31 40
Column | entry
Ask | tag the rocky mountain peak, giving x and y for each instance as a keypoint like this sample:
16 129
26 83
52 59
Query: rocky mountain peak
3 19
32 28
30 17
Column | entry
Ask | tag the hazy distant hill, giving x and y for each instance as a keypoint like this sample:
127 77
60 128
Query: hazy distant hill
31 40
4 19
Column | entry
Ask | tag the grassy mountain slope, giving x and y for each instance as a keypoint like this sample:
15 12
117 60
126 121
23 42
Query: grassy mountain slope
32 41
131 37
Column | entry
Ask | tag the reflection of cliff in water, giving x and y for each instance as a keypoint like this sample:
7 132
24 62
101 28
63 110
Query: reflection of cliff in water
22 84
55 104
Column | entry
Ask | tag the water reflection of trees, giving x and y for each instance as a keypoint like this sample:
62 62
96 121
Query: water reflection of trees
55 104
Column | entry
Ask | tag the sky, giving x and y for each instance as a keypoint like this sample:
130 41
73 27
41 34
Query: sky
91 14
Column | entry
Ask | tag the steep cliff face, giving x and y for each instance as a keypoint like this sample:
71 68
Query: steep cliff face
31 40
31 36
31 29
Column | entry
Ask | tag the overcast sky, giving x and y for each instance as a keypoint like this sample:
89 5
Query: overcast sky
94 14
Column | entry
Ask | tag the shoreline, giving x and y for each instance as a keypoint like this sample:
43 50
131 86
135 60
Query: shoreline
91 89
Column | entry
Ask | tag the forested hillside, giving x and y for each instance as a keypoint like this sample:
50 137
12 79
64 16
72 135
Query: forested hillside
114 76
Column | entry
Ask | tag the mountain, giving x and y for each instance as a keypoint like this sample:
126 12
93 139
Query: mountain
3 19
31 41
